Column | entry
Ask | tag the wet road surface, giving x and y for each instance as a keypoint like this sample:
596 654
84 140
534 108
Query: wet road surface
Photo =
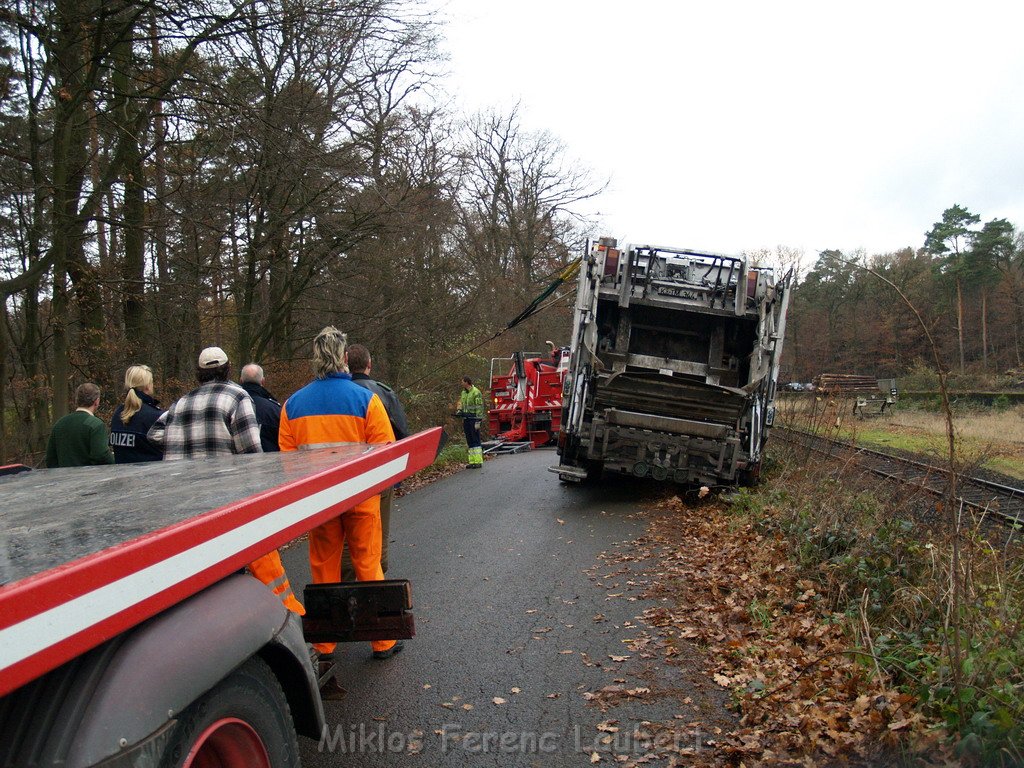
503 563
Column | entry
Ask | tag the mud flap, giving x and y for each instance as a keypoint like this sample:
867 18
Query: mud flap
355 611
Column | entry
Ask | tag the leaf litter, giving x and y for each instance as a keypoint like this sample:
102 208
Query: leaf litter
802 694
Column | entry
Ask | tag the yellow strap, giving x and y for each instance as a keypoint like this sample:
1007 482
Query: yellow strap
570 270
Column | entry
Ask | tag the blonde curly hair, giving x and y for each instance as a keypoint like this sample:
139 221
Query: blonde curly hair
329 352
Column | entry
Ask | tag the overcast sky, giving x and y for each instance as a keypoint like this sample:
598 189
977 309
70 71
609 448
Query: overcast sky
741 125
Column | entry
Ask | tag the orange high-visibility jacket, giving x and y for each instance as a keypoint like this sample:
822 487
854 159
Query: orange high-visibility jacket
334 410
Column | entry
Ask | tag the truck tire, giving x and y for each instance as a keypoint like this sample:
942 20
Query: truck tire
750 477
242 722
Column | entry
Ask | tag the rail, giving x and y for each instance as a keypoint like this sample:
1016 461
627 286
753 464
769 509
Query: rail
1001 502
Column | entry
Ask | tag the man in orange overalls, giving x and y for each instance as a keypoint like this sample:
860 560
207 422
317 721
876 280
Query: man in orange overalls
332 409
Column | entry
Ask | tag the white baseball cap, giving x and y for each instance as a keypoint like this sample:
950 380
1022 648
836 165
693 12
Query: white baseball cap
212 357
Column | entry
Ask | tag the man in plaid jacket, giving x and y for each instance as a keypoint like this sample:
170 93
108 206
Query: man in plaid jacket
217 418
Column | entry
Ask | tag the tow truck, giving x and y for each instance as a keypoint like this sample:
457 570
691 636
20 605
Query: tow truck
526 400
130 634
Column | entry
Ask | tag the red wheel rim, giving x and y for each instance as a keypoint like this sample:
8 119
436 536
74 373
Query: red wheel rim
228 743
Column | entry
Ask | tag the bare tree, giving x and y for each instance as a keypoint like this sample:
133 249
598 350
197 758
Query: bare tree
75 62
518 203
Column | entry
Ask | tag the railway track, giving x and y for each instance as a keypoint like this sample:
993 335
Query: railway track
1000 502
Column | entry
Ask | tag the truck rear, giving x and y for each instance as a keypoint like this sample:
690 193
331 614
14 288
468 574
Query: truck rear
131 635
674 365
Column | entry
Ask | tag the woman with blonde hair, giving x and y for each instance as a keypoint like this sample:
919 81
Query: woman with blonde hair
134 417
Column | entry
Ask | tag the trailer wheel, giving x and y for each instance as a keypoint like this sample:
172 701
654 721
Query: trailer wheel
242 722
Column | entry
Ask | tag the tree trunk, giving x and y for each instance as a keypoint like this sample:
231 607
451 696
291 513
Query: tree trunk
133 270
3 383
1018 318
158 221
36 415
960 321
133 265
70 134
984 329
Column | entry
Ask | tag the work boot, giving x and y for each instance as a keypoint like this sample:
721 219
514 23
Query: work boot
396 648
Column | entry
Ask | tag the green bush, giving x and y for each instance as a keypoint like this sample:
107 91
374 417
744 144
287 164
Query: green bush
453 453
919 378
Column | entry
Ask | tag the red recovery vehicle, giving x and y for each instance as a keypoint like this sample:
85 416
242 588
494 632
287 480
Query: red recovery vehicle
131 636
526 398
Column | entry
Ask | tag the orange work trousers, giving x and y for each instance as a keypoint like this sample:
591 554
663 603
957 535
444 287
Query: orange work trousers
270 570
360 527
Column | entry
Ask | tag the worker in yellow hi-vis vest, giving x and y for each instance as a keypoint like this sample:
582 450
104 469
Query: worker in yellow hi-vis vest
471 408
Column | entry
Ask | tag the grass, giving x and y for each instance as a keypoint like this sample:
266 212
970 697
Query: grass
991 438
453 453
451 460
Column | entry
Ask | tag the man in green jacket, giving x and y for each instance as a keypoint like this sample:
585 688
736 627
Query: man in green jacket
471 408
80 439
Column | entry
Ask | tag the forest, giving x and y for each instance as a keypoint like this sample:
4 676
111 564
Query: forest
245 172
956 301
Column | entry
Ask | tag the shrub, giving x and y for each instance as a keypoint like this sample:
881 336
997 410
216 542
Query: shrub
889 574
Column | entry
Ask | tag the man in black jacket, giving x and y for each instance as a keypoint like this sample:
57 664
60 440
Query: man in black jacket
268 410
359 363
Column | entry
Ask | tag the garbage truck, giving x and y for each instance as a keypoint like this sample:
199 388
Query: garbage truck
673 367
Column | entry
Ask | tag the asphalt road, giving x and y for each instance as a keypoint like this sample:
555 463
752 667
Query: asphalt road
503 564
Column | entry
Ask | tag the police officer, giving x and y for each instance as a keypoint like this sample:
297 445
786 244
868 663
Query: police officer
134 417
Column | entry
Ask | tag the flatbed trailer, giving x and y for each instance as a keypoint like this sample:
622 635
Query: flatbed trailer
127 622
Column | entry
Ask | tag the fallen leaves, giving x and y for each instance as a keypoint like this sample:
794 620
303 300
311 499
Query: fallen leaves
612 695
766 637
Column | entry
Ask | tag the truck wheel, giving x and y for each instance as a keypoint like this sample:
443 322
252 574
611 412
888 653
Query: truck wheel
750 477
242 722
